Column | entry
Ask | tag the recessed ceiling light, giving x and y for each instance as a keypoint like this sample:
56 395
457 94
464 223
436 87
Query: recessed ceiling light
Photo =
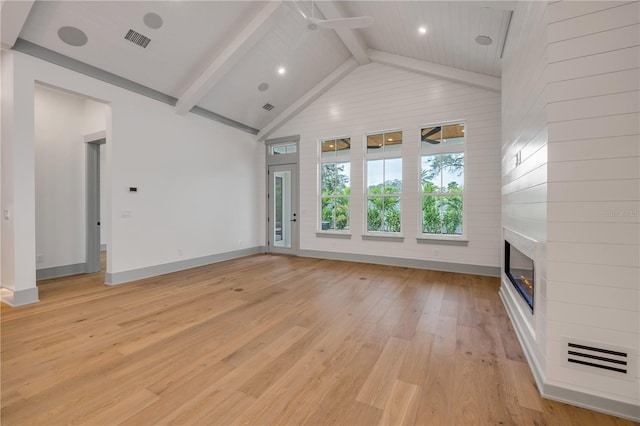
390 140
422 30
72 36
263 87
282 70
484 40
152 20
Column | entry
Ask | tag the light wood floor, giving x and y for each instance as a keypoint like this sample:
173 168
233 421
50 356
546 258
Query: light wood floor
272 340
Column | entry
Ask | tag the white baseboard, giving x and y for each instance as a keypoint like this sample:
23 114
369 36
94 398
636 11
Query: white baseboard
491 271
166 268
60 271
20 297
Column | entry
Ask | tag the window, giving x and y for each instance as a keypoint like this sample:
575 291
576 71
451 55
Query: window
288 148
442 179
335 184
384 182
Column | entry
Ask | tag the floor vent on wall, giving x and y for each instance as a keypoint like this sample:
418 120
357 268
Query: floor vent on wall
598 358
137 38
268 106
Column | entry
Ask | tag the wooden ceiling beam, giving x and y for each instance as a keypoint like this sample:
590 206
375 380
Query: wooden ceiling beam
436 70
350 38
219 66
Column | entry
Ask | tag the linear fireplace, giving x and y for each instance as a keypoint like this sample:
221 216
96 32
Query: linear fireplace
519 268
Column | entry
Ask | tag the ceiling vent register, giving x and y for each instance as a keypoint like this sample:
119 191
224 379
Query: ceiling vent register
268 106
137 38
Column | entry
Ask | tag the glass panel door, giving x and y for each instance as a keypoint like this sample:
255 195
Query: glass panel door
282 214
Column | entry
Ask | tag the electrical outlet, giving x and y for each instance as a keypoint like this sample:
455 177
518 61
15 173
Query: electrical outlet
180 252
518 158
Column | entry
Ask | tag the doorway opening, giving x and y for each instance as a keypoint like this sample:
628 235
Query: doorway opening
283 220
70 136
96 245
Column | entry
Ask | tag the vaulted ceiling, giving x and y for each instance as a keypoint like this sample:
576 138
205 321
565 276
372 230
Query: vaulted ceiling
231 58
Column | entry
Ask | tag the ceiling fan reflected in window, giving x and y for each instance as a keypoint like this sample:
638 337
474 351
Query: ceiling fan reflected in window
427 133
332 24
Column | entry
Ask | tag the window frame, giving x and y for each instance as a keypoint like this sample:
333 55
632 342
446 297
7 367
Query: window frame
438 150
336 159
390 155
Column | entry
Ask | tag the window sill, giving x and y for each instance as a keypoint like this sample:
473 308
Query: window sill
383 237
326 234
451 241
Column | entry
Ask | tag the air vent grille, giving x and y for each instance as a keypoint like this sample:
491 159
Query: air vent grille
597 358
137 38
268 106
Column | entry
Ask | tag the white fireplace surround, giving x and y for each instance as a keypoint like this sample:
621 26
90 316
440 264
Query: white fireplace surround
523 320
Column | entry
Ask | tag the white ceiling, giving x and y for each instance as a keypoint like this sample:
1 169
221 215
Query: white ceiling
191 32
308 56
214 54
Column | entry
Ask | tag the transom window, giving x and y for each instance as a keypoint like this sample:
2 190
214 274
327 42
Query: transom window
335 184
286 148
384 182
442 179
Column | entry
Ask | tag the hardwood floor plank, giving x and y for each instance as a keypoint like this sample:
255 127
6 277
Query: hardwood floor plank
177 396
525 385
402 404
437 390
222 410
122 409
415 366
377 388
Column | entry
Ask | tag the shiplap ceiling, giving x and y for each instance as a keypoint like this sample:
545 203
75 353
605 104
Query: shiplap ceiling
452 27
215 54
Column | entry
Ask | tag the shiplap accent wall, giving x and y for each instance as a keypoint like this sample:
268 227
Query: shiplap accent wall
524 134
377 97
571 80
593 186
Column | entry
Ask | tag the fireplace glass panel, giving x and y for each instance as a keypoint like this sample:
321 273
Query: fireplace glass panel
519 269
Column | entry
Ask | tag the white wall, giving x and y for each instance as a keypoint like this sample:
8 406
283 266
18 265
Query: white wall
200 187
378 97
594 186
200 183
524 133
17 198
